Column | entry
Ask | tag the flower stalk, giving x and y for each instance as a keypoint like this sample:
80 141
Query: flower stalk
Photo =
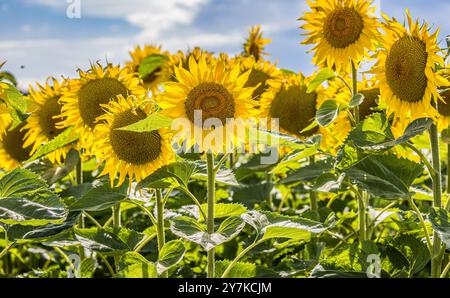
210 212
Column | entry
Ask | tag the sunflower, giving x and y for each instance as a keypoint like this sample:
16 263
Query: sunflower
339 91
261 73
81 103
5 111
342 31
215 90
161 74
443 107
196 53
45 111
406 72
254 44
127 153
12 151
288 101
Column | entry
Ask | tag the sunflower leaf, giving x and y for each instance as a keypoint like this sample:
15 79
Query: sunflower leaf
151 123
151 63
27 200
67 137
327 113
324 75
356 100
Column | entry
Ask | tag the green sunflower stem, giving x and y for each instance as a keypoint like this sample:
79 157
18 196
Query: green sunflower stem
312 194
210 213
160 221
436 258
116 227
355 91
79 181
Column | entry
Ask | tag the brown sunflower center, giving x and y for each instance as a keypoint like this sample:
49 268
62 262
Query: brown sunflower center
47 122
136 148
256 77
444 107
343 27
212 99
370 101
295 109
97 92
13 142
405 69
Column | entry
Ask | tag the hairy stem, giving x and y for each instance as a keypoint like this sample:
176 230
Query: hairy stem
160 220
436 260
210 213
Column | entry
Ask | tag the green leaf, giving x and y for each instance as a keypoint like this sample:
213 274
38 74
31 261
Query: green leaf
6 75
373 134
439 218
151 63
14 99
273 225
324 75
328 183
356 100
39 233
87 268
101 240
286 232
100 197
170 255
327 113
133 265
174 174
151 123
278 139
308 173
26 199
191 230
222 210
244 270
413 250
67 137
385 176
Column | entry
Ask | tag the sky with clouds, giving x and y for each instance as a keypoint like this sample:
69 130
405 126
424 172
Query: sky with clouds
38 39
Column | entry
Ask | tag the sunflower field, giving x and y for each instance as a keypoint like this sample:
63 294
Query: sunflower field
194 164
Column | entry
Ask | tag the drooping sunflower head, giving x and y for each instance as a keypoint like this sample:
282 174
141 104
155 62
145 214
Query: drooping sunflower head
341 30
261 73
125 153
143 61
254 44
83 100
443 106
288 101
45 110
406 69
213 92
12 151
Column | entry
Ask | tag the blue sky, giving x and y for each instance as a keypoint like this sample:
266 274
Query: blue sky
39 40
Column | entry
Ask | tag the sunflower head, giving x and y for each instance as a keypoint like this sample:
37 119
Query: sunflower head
5 117
151 54
127 153
215 91
406 70
288 101
45 110
83 100
254 44
443 106
12 151
260 73
340 29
